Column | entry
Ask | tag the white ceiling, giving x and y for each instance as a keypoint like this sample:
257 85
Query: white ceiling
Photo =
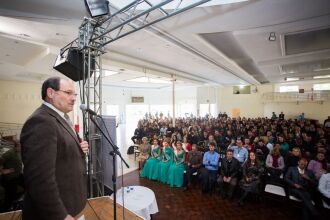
214 45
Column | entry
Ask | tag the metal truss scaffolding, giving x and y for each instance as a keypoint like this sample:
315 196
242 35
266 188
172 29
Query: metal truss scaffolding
94 35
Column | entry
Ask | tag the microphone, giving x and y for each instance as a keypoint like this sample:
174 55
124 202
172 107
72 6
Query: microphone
83 107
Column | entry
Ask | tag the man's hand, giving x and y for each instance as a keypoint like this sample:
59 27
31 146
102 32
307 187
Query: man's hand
69 217
297 186
84 146
305 177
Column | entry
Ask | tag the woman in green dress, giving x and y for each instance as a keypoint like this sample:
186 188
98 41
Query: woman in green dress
150 168
176 170
166 160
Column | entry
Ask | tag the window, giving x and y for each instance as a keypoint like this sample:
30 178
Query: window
166 110
133 114
289 88
204 110
113 110
323 86
184 110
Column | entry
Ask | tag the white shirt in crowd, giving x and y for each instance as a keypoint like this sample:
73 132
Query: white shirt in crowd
324 185
270 147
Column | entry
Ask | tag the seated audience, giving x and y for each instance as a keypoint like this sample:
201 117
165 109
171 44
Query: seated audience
248 145
162 130
324 186
166 160
211 140
219 139
185 145
274 116
144 149
318 166
293 158
267 143
261 151
250 183
302 184
270 137
138 134
174 139
150 168
301 117
284 146
209 171
307 147
194 162
176 170
326 123
240 153
275 165
11 173
193 136
229 171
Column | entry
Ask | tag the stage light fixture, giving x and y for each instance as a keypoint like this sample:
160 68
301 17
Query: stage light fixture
97 8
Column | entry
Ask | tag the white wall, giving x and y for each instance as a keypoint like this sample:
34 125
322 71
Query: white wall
292 110
18 100
250 105
207 95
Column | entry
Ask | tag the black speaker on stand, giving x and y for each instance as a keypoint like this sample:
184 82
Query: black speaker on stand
71 64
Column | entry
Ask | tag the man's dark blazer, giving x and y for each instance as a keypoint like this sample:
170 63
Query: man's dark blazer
234 167
293 177
54 167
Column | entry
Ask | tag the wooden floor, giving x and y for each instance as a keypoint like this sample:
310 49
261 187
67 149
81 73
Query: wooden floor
174 203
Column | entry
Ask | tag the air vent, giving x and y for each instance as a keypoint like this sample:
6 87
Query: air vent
310 41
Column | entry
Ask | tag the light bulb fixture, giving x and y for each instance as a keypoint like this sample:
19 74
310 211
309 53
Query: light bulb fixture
272 36
321 77
292 79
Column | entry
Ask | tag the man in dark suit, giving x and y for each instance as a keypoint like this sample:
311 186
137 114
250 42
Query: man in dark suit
229 171
194 162
302 185
54 159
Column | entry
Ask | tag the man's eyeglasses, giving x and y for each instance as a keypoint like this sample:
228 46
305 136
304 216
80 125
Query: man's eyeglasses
69 93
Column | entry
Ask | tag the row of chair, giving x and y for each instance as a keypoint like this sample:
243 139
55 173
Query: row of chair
280 191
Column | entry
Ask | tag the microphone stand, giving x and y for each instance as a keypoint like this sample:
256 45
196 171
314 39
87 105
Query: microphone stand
113 153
